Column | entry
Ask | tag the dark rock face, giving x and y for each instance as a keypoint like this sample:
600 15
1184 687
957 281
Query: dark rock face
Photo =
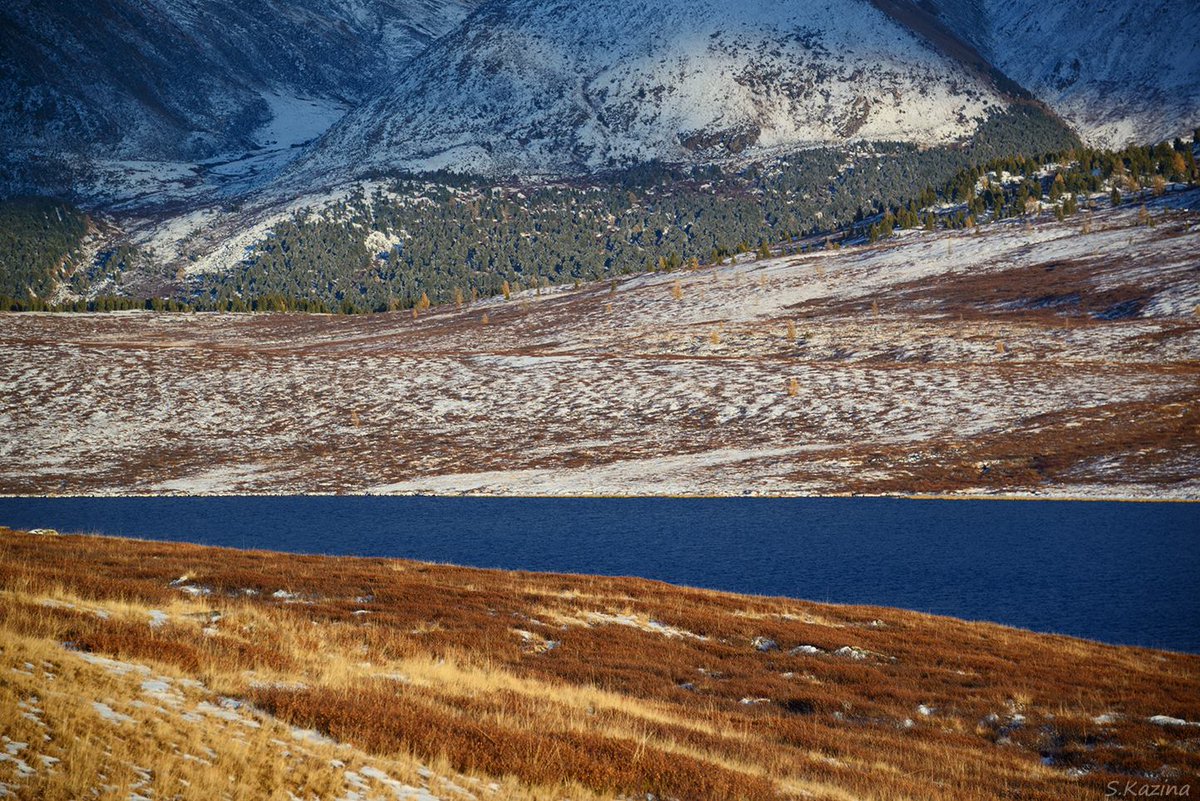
177 80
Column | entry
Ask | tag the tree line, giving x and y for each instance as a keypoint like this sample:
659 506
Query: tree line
437 238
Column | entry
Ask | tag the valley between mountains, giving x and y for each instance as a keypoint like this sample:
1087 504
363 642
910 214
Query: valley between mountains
1026 357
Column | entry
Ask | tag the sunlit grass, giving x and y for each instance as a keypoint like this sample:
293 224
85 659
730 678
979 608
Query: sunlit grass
541 686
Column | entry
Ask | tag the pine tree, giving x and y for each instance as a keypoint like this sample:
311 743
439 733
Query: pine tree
887 225
1057 187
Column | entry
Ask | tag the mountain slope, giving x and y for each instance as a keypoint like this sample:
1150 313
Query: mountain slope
177 80
1121 73
541 86
181 99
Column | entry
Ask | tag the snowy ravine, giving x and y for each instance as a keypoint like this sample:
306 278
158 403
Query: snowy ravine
1043 358
178 80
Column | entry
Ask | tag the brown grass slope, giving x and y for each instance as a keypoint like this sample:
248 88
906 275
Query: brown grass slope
464 683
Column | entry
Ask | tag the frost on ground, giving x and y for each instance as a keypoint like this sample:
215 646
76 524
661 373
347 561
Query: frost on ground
1044 358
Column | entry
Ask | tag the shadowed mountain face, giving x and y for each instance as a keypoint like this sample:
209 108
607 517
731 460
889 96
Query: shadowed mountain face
179 80
536 86
1119 73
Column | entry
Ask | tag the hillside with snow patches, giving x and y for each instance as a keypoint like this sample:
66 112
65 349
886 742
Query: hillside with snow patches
937 362
1119 72
191 128
139 670
530 86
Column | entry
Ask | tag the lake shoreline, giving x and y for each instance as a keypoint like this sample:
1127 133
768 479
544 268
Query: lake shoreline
1008 496
1105 570
848 607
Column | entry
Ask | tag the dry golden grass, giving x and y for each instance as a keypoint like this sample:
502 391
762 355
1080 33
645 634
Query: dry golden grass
541 686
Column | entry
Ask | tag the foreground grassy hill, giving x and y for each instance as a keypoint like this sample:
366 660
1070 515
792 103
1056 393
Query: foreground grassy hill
134 670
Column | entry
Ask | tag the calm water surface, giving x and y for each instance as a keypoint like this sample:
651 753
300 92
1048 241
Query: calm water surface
1117 572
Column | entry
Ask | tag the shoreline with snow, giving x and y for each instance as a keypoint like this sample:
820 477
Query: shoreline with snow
155 669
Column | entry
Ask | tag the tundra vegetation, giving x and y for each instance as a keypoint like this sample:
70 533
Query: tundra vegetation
1011 358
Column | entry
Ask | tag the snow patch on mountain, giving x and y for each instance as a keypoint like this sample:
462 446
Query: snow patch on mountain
294 122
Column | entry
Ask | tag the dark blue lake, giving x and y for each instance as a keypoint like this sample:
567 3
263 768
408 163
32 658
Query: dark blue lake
1117 572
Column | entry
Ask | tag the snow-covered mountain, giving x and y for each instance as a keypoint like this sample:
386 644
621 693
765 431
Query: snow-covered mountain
531 86
168 103
1120 71
190 79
